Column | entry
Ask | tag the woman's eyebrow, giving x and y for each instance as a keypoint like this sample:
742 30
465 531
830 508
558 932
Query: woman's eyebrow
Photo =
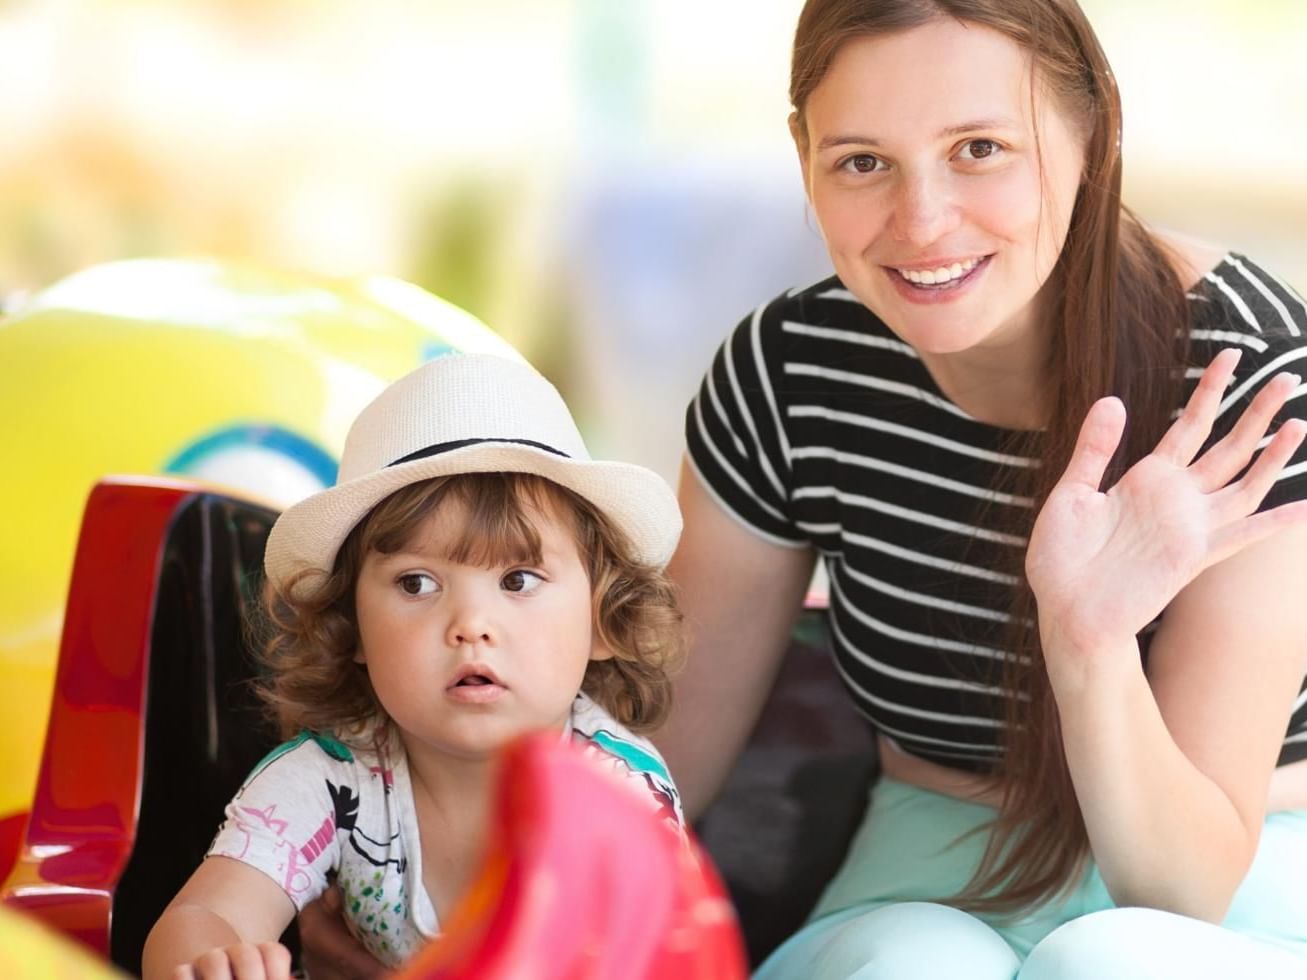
975 124
826 142
971 126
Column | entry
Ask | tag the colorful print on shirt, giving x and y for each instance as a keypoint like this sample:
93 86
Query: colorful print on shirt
315 811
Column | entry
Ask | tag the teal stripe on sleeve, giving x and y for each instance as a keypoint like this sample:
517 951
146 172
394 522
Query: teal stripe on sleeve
637 758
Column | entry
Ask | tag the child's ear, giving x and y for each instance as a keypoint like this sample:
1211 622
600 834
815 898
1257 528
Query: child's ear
599 650
359 656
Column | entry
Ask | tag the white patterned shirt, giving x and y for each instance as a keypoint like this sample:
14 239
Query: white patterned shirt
314 808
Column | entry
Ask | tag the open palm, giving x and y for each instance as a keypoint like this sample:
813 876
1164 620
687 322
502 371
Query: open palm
1113 560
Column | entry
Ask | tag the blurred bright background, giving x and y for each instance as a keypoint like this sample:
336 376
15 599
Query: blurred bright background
608 183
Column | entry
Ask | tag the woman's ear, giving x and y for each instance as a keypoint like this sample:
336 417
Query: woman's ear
359 656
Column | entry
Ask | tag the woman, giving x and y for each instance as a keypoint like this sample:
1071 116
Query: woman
1099 708
962 161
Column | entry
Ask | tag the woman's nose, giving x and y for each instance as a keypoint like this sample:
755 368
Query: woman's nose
924 211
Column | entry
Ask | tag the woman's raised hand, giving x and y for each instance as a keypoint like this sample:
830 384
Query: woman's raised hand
1104 564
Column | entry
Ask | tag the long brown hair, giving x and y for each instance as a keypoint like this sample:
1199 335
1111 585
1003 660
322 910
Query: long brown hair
312 629
1117 314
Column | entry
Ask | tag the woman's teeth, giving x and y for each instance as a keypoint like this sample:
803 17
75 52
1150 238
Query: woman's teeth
935 277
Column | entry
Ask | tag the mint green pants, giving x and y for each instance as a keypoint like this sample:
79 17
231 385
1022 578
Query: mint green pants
879 917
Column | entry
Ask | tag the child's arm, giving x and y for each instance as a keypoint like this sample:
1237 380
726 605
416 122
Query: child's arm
228 909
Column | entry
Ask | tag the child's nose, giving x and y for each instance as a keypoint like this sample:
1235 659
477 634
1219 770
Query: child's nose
470 624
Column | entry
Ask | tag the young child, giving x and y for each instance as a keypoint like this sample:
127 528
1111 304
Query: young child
473 576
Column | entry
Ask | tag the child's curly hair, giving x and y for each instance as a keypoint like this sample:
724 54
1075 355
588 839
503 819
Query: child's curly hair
313 681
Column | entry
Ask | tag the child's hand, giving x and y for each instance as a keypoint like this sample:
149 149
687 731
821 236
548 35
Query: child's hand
240 961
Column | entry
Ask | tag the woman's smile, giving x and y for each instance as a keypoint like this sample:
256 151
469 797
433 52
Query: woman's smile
945 282
945 207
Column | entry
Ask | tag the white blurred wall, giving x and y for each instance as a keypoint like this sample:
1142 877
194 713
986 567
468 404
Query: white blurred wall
609 183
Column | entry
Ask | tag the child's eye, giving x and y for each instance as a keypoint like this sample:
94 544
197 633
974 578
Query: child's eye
521 581
980 149
417 583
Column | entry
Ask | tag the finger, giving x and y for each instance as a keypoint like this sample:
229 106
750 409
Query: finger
1235 537
213 965
246 962
183 972
1187 434
1100 434
1247 494
276 961
1232 453
332 899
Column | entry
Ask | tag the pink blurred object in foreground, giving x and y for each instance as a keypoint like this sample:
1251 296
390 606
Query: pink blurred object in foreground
584 883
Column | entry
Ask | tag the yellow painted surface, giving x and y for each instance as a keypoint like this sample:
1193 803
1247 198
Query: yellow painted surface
28 951
183 367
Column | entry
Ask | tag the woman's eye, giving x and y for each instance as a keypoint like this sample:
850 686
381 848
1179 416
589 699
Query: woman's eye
861 163
980 149
520 580
416 583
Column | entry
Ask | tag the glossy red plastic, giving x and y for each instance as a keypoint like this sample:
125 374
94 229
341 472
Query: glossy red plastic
82 824
11 838
584 883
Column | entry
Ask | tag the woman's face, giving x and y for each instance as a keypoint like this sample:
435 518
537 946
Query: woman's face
943 195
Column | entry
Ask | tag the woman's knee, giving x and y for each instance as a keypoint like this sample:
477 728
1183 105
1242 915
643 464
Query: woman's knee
917 940
1146 944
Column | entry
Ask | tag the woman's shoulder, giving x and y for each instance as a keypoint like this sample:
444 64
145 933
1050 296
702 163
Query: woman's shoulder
1240 302
825 303
809 323
1192 258
1235 300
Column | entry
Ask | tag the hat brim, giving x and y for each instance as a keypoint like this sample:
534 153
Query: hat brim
308 534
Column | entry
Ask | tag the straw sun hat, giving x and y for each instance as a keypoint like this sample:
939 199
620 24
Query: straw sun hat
468 413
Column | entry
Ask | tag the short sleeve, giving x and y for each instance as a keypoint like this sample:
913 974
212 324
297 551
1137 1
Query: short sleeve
283 821
631 758
735 433
1239 304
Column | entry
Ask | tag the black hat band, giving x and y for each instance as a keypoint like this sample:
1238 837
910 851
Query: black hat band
446 447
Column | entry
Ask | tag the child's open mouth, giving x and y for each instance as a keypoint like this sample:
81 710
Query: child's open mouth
475 684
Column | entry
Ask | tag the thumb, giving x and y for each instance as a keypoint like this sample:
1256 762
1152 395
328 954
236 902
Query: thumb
1100 434
332 899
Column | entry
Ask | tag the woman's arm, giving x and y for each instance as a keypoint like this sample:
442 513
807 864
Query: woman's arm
1171 770
328 949
228 915
741 596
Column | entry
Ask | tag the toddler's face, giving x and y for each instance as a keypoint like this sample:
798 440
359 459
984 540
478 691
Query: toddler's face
465 658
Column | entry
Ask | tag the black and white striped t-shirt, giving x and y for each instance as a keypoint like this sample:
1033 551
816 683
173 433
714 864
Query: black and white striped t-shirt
816 426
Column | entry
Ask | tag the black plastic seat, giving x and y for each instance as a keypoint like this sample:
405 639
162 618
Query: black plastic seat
783 821
205 729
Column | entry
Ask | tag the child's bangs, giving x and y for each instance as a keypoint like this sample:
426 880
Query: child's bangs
497 517
495 528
